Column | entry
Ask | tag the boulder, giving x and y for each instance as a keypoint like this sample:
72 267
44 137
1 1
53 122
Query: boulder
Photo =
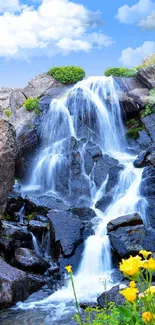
148 192
17 99
66 233
149 123
128 236
17 285
104 202
112 295
146 158
28 260
147 76
13 236
128 220
7 160
38 228
38 85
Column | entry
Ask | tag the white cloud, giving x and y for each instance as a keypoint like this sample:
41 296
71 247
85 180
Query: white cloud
135 13
56 25
149 22
131 57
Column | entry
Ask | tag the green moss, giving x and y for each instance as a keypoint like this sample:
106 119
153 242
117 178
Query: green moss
133 132
30 216
120 72
32 104
67 75
132 121
8 112
148 110
6 216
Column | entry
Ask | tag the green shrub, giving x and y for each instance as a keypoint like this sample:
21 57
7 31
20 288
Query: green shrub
133 133
120 72
152 92
67 75
148 110
8 112
32 104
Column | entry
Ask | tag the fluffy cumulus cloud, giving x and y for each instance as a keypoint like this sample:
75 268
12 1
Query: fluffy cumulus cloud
54 26
131 57
136 13
149 22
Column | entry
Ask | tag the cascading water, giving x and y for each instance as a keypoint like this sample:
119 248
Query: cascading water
94 103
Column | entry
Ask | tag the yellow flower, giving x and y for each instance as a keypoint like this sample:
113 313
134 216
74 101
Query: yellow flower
130 294
132 284
144 253
149 291
147 317
68 268
130 267
151 265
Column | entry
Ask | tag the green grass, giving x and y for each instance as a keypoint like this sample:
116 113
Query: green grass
120 72
8 112
32 104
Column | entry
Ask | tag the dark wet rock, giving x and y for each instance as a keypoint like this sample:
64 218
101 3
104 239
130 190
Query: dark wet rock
85 214
14 203
124 221
13 285
16 285
147 76
74 260
104 202
28 260
7 160
146 158
91 153
38 227
149 123
42 204
143 141
129 240
28 143
113 177
44 103
66 233
148 191
112 295
13 236
102 169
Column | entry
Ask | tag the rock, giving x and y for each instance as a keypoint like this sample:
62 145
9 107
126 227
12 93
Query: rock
5 98
7 160
38 85
143 141
66 233
104 202
147 76
125 221
13 236
28 260
145 158
84 214
149 123
28 143
38 228
17 285
112 295
148 192
128 240
17 99
13 285
21 118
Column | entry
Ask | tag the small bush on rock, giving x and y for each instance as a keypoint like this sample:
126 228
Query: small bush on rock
120 72
8 112
32 104
67 75
148 110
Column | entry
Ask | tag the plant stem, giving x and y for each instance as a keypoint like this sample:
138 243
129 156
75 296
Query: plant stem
76 301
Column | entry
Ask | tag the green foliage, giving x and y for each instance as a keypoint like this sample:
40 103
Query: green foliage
120 72
148 110
8 112
67 75
6 216
32 104
133 132
96 316
139 67
152 92
30 216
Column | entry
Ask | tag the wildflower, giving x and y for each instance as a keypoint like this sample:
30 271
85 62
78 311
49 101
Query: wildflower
144 253
132 284
147 317
68 268
130 294
130 267
151 265
149 291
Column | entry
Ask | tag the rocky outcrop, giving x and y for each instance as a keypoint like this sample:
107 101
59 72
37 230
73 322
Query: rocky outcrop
113 295
27 260
16 285
146 158
7 160
128 236
147 76
5 99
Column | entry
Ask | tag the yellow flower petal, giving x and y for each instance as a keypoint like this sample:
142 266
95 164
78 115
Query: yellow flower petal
68 268
144 253
147 317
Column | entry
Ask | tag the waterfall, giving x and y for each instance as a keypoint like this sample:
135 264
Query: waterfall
94 103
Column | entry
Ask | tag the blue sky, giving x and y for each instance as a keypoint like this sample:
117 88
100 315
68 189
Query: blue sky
38 34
